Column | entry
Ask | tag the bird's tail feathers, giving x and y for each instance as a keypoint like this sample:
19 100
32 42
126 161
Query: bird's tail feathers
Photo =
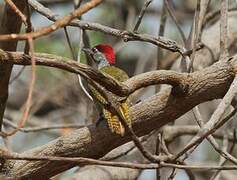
113 121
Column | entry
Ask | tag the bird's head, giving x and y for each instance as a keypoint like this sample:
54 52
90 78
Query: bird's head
102 54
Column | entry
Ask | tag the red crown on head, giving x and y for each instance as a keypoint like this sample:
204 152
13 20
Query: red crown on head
108 51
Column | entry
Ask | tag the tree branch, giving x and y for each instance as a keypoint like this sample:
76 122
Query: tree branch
58 24
156 111
121 89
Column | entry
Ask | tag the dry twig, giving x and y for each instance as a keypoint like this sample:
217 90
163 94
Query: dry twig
17 11
146 4
58 24
215 120
224 30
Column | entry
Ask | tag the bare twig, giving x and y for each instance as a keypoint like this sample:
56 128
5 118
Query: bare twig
146 4
173 132
201 16
224 30
211 125
120 154
69 43
17 75
185 59
161 31
79 61
58 24
29 27
173 17
42 128
213 14
127 36
222 159
37 6
196 31
78 57
173 173
148 155
17 11
211 139
88 161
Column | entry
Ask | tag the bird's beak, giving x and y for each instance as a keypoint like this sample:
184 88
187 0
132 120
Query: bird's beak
87 51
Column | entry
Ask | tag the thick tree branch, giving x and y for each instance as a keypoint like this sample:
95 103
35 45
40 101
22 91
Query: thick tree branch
94 142
156 111
121 89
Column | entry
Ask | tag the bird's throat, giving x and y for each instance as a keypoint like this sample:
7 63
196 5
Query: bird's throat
103 63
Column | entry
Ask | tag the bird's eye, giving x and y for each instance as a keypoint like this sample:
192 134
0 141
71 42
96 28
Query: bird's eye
94 50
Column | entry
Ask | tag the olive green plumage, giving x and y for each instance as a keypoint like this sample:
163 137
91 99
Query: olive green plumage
112 119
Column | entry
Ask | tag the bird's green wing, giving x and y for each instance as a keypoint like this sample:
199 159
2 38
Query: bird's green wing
113 120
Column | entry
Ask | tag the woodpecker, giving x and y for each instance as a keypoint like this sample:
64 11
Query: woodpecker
104 57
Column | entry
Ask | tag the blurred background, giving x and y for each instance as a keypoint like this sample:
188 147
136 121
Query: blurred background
58 99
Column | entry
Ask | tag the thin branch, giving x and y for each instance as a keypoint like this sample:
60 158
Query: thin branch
211 139
78 57
79 61
88 161
222 159
196 31
185 59
195 142
224 30
173 132
173 173
202 14
213 14
73 55
195 34
42 128
146 4
161 32
120 154
55 26
43 10
17 75
173 17
127 36
17 11
215 120
29 27
148 155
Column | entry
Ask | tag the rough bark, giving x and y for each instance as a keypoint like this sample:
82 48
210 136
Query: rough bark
210 37
156 111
